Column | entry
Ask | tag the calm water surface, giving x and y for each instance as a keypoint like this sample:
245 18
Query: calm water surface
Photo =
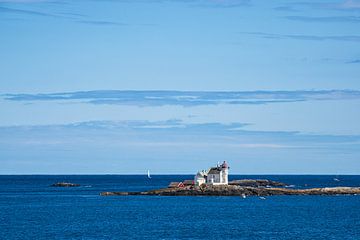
31 209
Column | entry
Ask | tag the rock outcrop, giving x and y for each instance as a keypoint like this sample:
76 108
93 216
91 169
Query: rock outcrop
65 184
257 183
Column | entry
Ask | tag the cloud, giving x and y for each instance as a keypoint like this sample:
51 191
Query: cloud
27 1
131 133
345 38
286 9
27 12
200 3
222 3
354 61
263 145
166 133
171 124
102 23
346 5
350 4
185 98
24 7
75 17
349 19
134 146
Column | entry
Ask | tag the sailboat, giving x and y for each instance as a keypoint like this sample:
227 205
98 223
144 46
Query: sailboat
336 179
148 174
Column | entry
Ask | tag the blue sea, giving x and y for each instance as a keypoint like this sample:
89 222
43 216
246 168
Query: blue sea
31 209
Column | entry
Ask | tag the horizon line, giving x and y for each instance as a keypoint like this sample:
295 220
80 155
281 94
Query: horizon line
179 174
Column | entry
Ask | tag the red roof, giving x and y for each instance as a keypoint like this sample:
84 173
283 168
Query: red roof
224 165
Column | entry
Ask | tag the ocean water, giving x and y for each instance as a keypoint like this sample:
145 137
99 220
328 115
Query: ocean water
31 209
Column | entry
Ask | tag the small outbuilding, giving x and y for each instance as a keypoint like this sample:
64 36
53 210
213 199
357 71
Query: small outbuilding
188 182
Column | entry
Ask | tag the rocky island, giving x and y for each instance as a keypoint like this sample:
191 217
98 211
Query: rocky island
238 190
65 184
214 182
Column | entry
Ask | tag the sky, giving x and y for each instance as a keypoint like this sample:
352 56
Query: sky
175 86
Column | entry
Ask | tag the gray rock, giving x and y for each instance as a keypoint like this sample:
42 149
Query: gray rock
257 183
65 184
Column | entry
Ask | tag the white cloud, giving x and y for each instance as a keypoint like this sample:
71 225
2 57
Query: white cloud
350 4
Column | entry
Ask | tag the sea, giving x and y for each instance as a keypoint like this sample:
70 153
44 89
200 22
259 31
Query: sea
31 209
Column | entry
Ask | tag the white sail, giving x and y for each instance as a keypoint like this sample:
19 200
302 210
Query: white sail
148 174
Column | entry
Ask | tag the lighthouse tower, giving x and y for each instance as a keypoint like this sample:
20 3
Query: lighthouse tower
225 172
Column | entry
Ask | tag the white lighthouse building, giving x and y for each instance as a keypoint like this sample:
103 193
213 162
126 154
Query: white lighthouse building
214 176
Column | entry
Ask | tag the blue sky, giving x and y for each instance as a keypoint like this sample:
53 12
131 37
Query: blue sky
177 85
